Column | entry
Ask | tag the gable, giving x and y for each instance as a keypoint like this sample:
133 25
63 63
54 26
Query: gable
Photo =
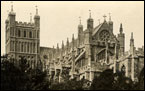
103 27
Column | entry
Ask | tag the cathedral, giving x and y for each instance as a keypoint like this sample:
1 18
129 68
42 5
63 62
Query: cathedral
94 50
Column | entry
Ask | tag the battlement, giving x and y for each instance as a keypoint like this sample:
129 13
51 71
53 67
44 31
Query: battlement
24 24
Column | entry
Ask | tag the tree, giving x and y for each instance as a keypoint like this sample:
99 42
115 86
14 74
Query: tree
110 81
17 78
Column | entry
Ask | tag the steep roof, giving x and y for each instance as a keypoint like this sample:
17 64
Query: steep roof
96 29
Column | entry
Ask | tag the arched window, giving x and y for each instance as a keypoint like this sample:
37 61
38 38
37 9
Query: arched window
30 34
27 47
19 33
22 47
24 33
37 34
34 48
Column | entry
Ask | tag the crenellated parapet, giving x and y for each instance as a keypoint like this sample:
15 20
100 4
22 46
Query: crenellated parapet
24 24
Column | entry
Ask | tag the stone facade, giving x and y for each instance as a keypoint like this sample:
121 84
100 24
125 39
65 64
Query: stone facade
96 49
93 51
23 39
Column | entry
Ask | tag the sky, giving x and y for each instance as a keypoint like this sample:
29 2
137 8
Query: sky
60 19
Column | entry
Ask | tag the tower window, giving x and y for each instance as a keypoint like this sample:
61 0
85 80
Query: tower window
22 47
24 33
30 34
37 34
27 47
19 33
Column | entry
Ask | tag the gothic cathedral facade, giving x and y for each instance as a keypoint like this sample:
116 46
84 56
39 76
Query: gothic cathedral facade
93 51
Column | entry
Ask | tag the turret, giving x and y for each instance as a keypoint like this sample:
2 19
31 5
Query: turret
132 52
57 48
73 42
88 32
12 16
90 22
121 39
80 31
67 46
132 44
7 20
121 29
62 49
37 19
73 59
62 45
53 52
88 41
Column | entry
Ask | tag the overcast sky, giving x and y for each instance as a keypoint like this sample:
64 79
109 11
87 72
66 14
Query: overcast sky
59 19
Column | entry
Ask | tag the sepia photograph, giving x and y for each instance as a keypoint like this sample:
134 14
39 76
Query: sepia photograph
72 45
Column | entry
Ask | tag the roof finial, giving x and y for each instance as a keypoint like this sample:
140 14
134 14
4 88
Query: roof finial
11 6
62 44
99 21
67 43
30 17
121 29
57 46
104 17
80 20
36 10
109 16
121 25
90 13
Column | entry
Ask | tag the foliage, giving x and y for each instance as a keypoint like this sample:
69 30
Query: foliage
109 81
72 84
24 78
19 78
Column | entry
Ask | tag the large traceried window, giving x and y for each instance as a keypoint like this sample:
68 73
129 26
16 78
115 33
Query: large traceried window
104 35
